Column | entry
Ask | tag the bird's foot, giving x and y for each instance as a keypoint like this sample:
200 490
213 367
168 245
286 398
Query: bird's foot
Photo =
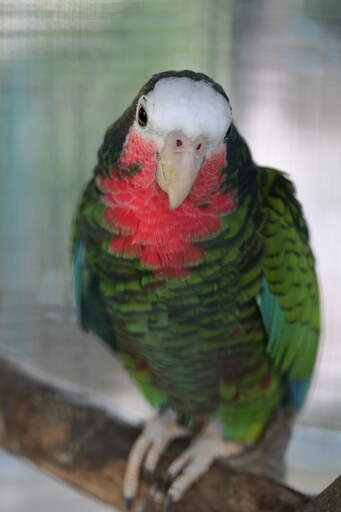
184 470
196 460
148 448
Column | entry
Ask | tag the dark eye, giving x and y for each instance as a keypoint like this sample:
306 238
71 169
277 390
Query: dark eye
142 117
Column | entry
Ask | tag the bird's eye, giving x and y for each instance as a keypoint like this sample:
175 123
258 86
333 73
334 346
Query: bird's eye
142 117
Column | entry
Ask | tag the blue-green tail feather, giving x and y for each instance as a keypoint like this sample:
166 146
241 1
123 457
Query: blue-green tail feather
280 333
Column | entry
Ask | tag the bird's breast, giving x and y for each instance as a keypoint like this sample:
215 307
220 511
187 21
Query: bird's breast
145 227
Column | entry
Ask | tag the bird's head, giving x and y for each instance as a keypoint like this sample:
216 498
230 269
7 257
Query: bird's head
167 172
187 116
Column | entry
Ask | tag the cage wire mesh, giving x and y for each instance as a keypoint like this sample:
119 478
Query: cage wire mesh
69 68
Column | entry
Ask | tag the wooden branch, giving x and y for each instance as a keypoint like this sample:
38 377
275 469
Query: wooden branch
85 447
328 501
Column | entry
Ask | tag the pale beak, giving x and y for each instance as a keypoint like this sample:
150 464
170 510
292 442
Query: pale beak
179 164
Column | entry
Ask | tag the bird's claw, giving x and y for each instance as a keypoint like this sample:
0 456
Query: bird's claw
168 507
195 461
160 494
147 450
184 470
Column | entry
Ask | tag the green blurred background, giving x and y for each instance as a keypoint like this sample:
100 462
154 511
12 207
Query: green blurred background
68 68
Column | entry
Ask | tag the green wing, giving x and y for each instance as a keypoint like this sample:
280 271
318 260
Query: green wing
87 239
289 300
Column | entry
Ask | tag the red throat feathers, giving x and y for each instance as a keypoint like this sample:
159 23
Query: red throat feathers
146 227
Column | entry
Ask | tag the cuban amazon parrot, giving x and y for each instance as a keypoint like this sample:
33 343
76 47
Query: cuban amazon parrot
193 263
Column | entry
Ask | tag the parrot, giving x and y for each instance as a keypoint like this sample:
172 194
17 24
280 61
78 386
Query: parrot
194 265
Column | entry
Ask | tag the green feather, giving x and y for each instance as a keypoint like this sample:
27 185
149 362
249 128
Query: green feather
289 302
289 297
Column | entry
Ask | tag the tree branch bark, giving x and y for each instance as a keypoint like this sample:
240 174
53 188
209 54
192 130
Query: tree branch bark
85 447
328 501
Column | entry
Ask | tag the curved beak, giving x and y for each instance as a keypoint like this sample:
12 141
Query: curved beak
179 164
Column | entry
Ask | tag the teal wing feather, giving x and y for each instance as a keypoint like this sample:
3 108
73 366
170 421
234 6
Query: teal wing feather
289 299
80 281
86 248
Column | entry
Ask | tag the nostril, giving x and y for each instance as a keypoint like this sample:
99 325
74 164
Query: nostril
178 142
198 146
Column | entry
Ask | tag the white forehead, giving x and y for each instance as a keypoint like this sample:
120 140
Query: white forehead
180 103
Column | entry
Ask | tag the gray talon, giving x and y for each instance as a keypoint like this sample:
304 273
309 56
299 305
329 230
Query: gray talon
168 503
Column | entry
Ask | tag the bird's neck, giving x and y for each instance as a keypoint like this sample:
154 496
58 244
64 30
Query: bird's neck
147 228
